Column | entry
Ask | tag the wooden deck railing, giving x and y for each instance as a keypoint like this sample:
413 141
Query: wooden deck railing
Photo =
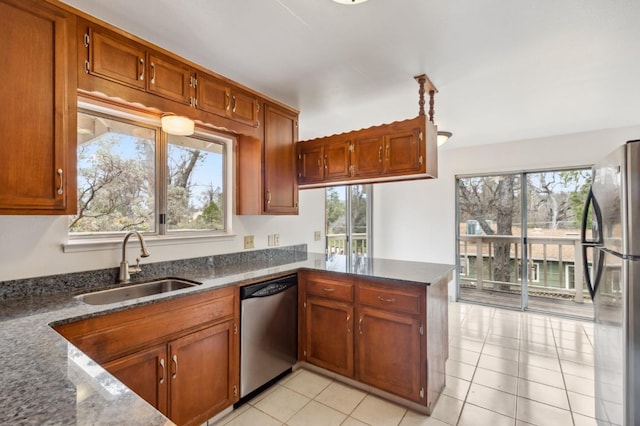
545 254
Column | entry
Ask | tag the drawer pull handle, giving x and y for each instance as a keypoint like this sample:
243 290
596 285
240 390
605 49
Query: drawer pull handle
161 370
153 73
328 290
360 325
175 366
382 299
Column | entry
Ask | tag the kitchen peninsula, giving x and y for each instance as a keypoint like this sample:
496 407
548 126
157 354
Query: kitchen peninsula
46 379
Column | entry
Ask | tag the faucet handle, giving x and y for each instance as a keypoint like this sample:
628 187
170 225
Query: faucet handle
135 269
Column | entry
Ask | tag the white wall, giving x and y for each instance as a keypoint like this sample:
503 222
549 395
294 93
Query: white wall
31 246
416 220
412 220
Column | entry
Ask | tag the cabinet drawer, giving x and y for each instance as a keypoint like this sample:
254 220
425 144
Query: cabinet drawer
326 287
408 301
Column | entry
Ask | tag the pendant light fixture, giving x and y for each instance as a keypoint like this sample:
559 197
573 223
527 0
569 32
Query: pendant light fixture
177 125
443 137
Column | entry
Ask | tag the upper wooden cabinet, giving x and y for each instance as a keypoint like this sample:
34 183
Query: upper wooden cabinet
320 160
169 78
219 97
38 120
399 151
117 58
280 184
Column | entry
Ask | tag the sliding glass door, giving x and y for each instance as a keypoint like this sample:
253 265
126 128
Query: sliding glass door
490 239
518 240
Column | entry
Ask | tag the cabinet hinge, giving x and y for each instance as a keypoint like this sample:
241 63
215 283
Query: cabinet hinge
352 147
421 330
235 328
420 160
304 304
193 81
352 169
258 124
86 66
421 392
304 353
257 107
235 390
193 102
86 39
420 136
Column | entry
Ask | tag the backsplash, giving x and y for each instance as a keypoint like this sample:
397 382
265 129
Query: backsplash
207 266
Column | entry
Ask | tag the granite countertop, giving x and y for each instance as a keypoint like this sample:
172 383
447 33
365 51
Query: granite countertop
46 380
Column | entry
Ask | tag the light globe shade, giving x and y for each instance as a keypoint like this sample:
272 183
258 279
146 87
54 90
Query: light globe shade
349 1
443 137
177 125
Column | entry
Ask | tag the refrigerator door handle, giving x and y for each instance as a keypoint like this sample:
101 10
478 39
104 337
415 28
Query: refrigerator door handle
598 267
591 201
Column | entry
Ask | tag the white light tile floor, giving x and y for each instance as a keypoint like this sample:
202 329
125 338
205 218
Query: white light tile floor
504 368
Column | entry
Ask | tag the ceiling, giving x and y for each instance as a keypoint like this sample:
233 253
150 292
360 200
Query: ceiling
506 70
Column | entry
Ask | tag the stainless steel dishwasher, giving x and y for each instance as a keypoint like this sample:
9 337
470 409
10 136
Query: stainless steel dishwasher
268 332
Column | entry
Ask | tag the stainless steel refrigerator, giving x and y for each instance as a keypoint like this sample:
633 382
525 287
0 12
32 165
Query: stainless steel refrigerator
612 217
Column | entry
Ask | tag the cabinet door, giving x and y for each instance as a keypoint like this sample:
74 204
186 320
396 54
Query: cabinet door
38 122
367 156
329 337
378 364
337 159
203 371
310 162
115 58
402 152
169 78
280 183
145 373
213 95
244 107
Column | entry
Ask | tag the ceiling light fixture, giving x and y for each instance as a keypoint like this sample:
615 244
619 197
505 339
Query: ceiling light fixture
349 1
443 137
177 125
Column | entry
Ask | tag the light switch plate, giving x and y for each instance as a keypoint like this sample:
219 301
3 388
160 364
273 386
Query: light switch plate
317 235
276 239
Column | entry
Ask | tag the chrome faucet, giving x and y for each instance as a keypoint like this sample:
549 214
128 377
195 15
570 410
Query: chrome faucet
125 269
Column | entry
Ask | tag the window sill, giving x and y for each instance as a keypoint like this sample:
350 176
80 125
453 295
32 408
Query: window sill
103 244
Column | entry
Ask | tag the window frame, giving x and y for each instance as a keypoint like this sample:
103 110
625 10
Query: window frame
140 117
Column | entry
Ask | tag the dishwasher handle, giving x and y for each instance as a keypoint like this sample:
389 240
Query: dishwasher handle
268 288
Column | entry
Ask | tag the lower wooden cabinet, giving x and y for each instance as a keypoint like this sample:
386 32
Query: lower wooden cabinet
181 356
367 331
200 377
329 337
145 373
388 352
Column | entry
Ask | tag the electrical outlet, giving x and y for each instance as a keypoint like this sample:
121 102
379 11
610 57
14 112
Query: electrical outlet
270 239
248 242
276 239
317 235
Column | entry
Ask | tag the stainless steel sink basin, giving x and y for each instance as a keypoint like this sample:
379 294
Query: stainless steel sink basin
135 291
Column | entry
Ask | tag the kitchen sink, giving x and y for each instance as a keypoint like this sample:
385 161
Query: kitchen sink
134 291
